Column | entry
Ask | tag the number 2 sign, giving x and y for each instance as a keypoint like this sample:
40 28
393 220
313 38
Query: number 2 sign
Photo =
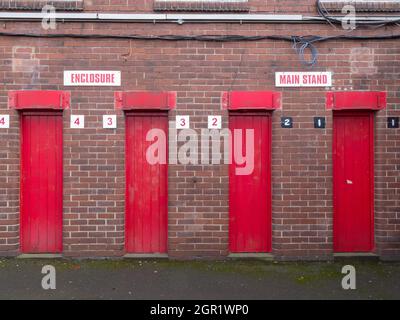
77 121
286 122
214 122
109 121
4 121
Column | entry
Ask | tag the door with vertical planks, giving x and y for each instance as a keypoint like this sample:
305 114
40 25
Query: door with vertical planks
146 222
250 194
353 185
41 181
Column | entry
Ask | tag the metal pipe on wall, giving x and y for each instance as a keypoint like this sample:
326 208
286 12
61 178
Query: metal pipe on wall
178 18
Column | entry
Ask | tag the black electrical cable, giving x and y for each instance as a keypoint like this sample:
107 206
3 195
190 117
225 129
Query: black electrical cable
300 43
211 38
335 19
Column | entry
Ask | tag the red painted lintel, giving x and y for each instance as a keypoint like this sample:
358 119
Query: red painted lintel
39 99
144 100
356 100
253 100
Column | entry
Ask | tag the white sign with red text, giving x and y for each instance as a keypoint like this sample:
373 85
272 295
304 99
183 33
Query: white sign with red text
303 79
4 121
92 78
214 122
109 121
182 122
77 121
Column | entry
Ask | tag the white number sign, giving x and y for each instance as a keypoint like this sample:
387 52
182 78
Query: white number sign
109 121
182 122
4 121
214 122
77 121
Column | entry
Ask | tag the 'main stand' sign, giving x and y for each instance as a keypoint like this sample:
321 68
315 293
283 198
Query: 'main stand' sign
303 79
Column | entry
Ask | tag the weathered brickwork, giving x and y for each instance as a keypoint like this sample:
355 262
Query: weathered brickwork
200 6
94 158
39 4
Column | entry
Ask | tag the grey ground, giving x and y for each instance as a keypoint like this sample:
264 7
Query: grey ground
163 279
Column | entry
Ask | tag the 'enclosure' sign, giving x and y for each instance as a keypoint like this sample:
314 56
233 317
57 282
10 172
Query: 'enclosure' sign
303 79
92 78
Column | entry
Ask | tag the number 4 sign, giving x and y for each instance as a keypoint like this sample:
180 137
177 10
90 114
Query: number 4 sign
109 122
77 121
4 121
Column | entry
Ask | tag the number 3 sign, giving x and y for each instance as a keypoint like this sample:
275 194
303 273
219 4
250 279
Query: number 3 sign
182 122
109 122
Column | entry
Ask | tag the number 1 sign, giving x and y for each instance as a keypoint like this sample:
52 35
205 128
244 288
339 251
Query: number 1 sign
319 122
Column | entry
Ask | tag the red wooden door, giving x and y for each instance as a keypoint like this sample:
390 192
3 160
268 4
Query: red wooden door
250 195
146 187
353 185
41 182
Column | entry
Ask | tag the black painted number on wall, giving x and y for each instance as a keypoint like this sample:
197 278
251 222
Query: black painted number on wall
393 122
286 122
319 123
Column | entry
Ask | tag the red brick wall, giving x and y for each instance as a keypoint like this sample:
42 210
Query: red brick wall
39 4
94 174
255 6
9 183
272 6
